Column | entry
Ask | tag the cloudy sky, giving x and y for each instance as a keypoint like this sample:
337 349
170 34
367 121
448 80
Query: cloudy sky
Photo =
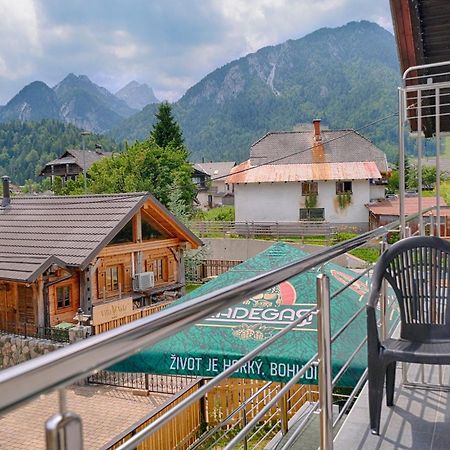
169 44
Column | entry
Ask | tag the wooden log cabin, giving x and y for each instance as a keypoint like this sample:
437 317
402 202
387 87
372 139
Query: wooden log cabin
110 253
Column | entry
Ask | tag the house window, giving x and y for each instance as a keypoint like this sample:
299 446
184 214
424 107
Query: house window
312 214
309 187
112 279
63 296
124 235
148 232
159 268
343 187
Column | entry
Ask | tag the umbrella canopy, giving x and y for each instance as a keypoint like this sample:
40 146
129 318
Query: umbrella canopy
213 344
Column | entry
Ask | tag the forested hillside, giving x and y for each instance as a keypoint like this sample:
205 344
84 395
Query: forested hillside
346 76
25 147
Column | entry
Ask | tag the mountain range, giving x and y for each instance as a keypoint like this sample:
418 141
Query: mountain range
137 95
78 101
346 76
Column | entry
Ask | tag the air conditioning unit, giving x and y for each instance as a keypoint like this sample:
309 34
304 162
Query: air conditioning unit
143 281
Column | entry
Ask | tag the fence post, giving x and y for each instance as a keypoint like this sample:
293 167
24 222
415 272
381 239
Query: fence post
203 408
324 346
284 413
244 422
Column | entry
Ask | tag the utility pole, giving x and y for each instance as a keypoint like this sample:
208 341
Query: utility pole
83 134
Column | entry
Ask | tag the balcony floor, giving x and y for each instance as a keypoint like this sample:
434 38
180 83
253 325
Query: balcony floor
419 420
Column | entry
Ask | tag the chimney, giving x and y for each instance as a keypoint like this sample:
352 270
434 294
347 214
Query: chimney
6 195
316 123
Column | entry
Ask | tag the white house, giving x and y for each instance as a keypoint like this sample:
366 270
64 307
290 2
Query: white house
309 175
210 177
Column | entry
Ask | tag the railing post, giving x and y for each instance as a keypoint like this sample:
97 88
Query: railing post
324 346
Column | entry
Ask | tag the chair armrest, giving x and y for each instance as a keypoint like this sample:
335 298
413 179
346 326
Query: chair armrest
373 340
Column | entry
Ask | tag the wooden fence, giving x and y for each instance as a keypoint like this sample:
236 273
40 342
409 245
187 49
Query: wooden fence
178 434
223 400
136 314
255 229
198 271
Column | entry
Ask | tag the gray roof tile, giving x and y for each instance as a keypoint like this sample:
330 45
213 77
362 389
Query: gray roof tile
71 228
75 156
216 169
294 147
68 227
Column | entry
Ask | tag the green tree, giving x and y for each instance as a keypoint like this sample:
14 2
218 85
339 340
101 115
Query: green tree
144 166
166 130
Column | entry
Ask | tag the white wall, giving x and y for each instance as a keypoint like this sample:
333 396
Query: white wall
267 202
281 202
377 191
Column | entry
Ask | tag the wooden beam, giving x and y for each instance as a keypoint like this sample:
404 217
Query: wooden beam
137 227
120 249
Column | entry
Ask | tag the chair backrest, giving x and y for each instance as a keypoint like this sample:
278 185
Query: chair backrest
418 270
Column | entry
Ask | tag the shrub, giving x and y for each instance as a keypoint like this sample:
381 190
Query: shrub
222 213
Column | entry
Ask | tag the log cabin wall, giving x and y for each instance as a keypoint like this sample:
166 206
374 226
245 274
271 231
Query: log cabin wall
18 306
114 268
64 300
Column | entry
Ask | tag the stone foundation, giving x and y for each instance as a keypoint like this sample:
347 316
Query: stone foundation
16 349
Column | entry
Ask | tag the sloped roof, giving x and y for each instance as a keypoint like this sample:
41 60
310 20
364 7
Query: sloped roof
216 169
391 206
75 156
295 147
25 268
75 228
303 172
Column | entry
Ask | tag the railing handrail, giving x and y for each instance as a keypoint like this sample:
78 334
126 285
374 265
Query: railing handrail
62 367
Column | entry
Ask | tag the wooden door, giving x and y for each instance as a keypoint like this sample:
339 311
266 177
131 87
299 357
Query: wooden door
25 309
7 308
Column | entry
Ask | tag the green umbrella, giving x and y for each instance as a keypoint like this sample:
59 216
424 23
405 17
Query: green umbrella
213 344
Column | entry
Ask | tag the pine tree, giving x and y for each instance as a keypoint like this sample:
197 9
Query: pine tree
166 130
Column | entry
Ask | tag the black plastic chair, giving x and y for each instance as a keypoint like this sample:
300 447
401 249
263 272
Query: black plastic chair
418 270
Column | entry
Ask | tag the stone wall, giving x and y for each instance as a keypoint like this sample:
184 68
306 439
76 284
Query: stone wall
17 349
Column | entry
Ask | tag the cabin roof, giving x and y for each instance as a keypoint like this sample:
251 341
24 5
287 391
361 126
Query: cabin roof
26 268
77 157
215 169
76 228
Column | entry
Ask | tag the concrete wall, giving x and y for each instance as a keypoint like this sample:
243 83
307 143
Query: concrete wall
377 191
271 202
242 249
17 349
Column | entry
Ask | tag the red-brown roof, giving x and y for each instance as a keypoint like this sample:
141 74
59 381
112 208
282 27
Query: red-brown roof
391 206
246 173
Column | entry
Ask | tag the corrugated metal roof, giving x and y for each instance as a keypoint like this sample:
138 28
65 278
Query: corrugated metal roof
391 206
74 228
295 147
303 172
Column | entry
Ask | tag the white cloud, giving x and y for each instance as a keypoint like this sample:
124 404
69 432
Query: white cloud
170 45
19 36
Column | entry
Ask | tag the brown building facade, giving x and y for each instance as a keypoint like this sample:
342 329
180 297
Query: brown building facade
57 254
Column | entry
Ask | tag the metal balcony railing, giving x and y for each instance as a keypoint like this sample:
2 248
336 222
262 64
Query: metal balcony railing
58 369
